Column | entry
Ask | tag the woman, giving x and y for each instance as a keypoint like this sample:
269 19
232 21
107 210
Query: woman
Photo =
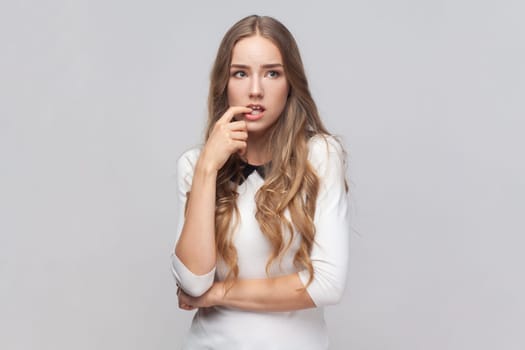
263 230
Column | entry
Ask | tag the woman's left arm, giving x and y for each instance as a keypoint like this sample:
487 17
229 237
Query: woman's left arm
329 255
284 293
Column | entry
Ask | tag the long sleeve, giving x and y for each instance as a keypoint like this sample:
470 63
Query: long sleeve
330 252
191 283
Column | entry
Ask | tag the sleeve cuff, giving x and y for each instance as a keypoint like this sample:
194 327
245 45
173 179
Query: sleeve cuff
192 284
322 292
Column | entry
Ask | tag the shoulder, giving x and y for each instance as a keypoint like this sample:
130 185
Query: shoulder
327 156
186 162
189 157
323 147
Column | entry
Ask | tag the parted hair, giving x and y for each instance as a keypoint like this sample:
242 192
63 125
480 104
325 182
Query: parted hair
291 184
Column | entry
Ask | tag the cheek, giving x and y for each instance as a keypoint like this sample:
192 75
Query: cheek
233 92
282 94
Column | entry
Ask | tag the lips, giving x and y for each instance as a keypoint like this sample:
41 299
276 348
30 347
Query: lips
256 113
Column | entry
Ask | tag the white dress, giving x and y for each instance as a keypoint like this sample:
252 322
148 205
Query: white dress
232 329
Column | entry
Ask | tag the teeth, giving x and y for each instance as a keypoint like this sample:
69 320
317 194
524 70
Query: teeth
256 110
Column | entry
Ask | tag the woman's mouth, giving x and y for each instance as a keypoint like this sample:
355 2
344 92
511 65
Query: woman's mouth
256 113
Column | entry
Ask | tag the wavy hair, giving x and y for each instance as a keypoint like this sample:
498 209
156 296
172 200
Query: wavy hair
291 183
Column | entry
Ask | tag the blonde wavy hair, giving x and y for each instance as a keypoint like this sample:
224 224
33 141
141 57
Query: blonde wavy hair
291 183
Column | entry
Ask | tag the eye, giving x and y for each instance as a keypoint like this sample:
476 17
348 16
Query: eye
273 74
239 74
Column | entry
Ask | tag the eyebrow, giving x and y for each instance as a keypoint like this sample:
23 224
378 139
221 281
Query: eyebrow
266 66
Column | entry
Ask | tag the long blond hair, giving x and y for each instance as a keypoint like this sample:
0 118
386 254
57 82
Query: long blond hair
291 183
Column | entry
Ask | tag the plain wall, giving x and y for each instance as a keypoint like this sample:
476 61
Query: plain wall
99 98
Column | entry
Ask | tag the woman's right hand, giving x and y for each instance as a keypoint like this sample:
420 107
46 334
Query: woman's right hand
226 138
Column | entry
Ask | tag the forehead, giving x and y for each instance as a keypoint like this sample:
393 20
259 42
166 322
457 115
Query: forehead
256 50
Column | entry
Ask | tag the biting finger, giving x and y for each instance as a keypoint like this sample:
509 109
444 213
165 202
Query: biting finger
232 111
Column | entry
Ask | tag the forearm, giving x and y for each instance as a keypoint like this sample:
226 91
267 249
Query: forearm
196 244
285 293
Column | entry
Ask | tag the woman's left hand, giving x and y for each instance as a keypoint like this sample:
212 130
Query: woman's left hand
187 302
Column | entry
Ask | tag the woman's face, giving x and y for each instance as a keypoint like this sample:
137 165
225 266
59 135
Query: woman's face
257 80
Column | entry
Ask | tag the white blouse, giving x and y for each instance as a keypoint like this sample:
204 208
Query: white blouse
232 329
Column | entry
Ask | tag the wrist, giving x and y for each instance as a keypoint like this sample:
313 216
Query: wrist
204 167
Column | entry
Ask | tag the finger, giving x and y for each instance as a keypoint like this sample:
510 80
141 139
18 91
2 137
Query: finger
238 125
239 135
185 304
239 146
186 307
232 111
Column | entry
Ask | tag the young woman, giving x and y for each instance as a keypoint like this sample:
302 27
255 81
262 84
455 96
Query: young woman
263 230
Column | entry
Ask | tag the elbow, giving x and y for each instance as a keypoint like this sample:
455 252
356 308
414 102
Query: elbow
334 296
331 294
327 288
191 283
195 290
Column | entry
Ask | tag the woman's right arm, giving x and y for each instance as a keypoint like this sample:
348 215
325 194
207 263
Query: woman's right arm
196 245
194 257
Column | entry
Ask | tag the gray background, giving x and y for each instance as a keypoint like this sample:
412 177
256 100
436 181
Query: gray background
99 98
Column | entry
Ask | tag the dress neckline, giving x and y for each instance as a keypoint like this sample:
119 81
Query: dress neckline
247 169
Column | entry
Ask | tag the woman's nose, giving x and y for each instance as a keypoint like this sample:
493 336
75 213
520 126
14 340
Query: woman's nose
256 88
